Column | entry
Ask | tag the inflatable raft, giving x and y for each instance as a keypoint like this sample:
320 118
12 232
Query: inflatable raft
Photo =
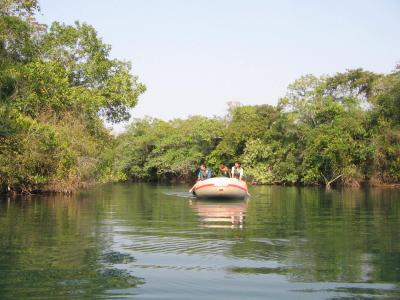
220 187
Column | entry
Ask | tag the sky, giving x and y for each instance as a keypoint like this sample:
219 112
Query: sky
195 56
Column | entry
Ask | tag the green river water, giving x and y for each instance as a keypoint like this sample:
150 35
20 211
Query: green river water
143 241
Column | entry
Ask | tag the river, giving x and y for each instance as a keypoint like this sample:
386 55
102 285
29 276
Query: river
144 241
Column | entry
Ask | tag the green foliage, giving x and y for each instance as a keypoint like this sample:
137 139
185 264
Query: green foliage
387 155
258 159
245 122
56 85
340 129
152 148
29 156
327 152
385 128
353 84
98 84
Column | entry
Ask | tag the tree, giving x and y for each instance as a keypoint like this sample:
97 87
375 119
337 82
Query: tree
385 127
246 122
153 149
355 84
56 85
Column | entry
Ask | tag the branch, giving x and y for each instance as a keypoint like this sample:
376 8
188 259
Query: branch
336 178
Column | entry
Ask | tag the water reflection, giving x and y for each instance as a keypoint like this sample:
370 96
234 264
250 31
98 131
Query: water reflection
220 213
52 247
143 241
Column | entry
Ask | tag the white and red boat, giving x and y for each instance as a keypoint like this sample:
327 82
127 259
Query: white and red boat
220 187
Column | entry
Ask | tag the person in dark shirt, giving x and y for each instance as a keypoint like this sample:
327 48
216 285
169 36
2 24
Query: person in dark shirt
223 170
204 172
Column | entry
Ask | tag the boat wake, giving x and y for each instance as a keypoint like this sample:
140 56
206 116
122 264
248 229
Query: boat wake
180 194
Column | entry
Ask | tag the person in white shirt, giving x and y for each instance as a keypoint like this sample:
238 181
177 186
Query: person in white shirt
237 171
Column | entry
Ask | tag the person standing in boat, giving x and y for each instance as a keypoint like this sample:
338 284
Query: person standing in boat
223 170
237 171
204 172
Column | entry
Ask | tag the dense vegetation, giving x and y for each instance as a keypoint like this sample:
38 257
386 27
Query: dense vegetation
340 129
58 84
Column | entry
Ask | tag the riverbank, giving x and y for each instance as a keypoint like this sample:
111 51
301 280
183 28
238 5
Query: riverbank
70 190
325 130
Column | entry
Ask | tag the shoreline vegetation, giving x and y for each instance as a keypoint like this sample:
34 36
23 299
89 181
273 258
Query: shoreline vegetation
58 85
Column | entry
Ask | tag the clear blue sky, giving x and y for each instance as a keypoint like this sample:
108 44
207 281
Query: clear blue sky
194 56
